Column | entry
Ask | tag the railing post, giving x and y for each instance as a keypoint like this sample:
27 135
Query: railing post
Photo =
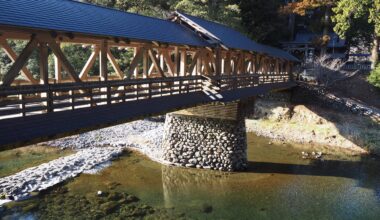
108 94
49 100
180 86
72 99
22 105
150 90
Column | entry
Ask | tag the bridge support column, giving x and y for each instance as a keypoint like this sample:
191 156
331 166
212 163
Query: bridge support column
211 136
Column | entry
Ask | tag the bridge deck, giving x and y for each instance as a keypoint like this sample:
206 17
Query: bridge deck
36 128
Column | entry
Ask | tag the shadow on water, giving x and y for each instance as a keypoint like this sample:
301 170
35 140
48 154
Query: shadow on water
365 171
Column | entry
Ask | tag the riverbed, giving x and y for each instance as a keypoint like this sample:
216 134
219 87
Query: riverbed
278 184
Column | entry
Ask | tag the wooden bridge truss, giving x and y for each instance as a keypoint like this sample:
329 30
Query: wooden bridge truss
155 70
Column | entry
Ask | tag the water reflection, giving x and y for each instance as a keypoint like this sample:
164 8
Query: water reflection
181 183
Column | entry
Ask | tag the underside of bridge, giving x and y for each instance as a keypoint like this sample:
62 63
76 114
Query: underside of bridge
145 66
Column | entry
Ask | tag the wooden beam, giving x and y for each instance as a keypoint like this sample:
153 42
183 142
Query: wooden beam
89 64
169 62
115 65
206 63
134 63
194 62
61 56
156 63
12 55
20 62
103 65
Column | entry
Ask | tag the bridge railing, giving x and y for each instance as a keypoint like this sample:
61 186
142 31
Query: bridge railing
20 101
250 80
38 99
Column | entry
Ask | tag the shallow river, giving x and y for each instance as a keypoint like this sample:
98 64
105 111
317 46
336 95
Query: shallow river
279 184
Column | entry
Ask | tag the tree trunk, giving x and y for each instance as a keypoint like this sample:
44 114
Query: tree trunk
292 21
326 25
375 52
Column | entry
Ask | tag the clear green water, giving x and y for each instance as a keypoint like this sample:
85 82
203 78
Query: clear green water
277 185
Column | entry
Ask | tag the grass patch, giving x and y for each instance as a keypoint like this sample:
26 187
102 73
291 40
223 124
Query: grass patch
13 161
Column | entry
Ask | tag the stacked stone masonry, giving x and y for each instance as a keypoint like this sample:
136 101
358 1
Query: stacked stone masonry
207 143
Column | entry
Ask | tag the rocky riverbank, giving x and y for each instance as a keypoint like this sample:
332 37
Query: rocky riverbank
311 124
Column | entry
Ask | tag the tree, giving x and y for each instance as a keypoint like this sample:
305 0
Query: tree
348 12
374 77
301 7
223 11
263 21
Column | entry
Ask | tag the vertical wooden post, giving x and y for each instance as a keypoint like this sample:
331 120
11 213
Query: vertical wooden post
103 70
218 62
145 63
198 70
57 69
257 64
44 75
136 70
177 59
183 62
162 62
277 67
228 63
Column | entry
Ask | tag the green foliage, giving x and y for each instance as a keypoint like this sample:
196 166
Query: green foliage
374 77
18 46
349 12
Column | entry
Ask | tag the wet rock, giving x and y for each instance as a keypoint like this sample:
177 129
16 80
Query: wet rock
206 208
108 207
131 198
30 207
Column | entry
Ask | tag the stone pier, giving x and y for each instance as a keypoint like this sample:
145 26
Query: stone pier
210 136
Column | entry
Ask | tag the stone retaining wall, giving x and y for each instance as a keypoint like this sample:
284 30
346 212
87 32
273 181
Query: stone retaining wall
315 95
207 143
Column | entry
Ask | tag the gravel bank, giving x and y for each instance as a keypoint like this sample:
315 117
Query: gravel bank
20 185
95 150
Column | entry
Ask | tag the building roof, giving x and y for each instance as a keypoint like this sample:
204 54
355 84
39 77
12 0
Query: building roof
77 17
304 37
230 37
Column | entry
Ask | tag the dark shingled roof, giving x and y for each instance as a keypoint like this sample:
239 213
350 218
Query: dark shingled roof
234 39
77 17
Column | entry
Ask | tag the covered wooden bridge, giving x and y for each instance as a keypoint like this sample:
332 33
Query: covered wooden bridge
167 65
